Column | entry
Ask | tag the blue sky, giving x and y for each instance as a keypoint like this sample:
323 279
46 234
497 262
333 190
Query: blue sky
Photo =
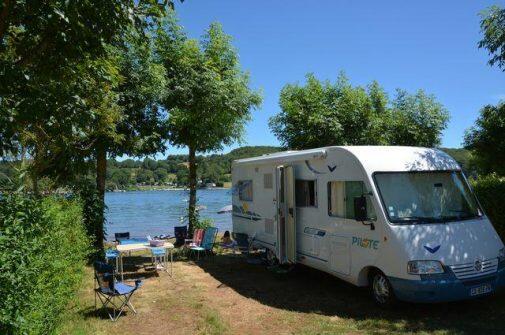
402 44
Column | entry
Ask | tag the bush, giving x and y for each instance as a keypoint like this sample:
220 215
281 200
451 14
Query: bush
490 191
43 246
92 215
204 223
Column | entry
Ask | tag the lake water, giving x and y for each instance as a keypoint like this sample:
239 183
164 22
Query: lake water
157 212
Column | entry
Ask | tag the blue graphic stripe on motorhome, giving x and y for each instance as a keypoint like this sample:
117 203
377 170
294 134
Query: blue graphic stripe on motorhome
442 288
319 259
314 231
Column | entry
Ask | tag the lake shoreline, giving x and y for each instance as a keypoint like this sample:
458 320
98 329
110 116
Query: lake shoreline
156 212
166 189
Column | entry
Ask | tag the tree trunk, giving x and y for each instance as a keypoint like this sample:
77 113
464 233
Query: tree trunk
35 184
192 215
101 170
34 171
23 156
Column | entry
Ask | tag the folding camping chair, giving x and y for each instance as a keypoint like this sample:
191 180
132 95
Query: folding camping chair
112 293
159 258
111 254
180 234
195 241
121 236
209 238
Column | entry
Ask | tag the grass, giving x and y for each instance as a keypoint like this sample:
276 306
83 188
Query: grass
226 295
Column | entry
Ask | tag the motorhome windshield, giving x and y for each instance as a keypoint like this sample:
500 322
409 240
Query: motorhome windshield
426 197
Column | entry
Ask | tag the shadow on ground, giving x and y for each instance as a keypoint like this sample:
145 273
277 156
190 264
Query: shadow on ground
101 313
310 291
138 267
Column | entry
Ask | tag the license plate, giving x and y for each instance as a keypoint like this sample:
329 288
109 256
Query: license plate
483 289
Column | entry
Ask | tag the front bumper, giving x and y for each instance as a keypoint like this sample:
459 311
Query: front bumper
445 287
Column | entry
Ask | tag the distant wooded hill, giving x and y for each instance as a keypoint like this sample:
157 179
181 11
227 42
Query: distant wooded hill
173 171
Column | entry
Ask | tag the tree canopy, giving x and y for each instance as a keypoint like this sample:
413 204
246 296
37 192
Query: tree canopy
321 113
69 71
486 139
492 25
45 50
77 83
207 97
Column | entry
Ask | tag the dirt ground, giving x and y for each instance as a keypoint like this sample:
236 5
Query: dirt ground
225 294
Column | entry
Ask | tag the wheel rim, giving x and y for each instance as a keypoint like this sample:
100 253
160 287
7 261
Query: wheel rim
381 288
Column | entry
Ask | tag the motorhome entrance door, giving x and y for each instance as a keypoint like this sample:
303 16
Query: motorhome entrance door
286 215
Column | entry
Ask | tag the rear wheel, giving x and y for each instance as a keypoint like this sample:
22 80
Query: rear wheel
381 289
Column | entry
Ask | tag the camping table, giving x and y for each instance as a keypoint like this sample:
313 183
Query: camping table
129 247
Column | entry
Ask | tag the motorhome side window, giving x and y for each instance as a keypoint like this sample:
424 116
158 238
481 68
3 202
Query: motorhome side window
305 192
245 190
341 196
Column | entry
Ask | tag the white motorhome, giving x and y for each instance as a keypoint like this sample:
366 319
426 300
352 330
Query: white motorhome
402 220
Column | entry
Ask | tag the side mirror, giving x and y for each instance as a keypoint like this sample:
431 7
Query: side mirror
360 210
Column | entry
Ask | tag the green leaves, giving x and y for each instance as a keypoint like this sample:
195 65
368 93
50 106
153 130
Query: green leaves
322 114
492 25
78 81
208 98
43 248
490 190
63 75
139 92
486 139
418 119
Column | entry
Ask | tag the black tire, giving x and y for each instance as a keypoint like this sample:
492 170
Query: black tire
381 289
270 258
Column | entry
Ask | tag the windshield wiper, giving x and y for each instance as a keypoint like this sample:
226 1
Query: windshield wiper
439 219
420 219
458 217
446 218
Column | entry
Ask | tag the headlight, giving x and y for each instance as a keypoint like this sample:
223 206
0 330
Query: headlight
424 267
501 255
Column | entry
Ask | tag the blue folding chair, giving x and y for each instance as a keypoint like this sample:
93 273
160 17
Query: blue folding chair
112 254
111 293
159 258
208 241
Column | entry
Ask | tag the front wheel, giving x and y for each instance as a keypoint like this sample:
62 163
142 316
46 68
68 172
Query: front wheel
381 289
271 258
